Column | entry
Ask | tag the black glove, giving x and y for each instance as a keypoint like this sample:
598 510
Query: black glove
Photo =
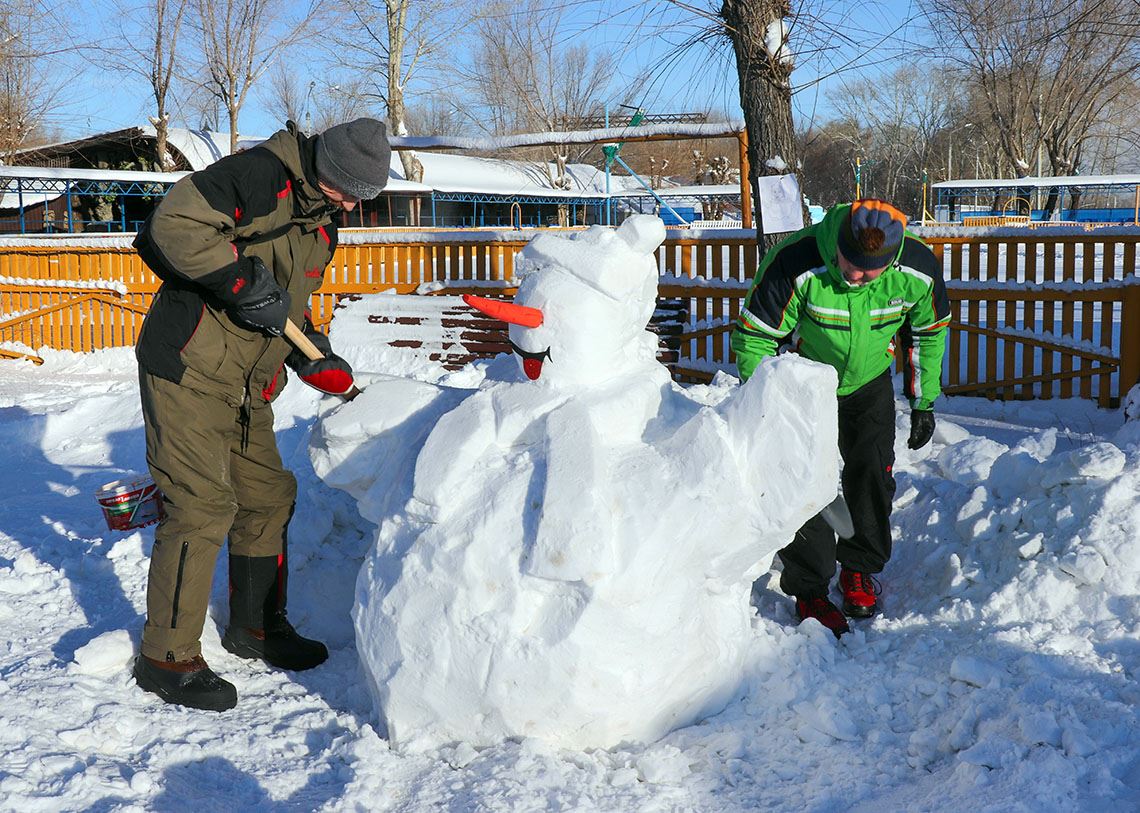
331 375
256 302
921 428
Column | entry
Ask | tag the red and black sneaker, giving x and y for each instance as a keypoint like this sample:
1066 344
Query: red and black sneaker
823 611
860 593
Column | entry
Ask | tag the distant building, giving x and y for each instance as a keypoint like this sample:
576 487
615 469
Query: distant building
108 182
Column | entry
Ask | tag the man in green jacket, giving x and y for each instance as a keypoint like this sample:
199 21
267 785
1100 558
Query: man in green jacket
842 290
240 247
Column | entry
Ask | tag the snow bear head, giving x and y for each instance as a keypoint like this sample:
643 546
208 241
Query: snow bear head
583 301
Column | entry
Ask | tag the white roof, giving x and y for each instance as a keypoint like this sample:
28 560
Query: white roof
57 178
77 174
472 175
12 201
201 147
714 129
462 174
1043 182
699 191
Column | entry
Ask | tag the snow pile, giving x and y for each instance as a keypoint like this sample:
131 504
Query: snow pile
78 285
1000 675
566 554
1058 527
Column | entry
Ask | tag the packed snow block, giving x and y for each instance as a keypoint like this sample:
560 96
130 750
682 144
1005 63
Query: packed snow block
383 428
574 559
574 538
797 451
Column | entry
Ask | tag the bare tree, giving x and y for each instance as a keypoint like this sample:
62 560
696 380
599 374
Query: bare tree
27 88
759 36
438 115
240 39
902 120
315 104
288 93
394 43
1047 69
146 45
526 78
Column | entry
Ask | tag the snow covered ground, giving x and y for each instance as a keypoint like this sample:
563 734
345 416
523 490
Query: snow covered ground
1001 675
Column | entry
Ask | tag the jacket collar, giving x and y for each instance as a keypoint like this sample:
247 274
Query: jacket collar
297 152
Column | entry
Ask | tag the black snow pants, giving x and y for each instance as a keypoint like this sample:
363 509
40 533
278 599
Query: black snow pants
867 446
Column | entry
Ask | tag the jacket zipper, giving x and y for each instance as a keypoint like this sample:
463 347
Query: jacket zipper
245 416
178 585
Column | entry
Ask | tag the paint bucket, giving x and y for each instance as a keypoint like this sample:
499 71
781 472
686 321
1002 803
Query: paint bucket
130 503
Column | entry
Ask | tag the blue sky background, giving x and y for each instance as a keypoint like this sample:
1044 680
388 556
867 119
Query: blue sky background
842 40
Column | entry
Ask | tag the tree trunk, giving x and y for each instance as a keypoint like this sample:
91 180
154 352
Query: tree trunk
161 124
765 94
1074 202
413 168
397 20
233 114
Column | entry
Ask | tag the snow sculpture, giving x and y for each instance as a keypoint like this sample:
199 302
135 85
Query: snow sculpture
567 553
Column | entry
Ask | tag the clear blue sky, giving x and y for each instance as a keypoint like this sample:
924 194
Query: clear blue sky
645 35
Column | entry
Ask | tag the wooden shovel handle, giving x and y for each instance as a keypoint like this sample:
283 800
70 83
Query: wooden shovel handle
302 343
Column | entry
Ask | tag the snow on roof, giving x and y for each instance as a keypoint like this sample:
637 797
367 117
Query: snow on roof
14 200
1043 182
201 147
51 182
81 174
448 173
699 191
472 175
493 143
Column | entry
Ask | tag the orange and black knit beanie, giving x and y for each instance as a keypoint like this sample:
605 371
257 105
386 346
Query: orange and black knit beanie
871 233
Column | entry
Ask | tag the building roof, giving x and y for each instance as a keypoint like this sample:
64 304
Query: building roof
1084 181
699 191
467 174
443 173
29 186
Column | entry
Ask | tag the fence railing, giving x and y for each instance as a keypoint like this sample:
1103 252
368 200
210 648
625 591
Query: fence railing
1034 316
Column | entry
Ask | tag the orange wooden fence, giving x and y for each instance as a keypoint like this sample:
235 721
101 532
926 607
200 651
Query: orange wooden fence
1034 316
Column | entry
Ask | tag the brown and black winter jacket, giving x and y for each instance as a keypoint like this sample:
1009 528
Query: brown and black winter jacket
263 202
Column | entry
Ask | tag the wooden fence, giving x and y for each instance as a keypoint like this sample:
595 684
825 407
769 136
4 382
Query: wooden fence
1037 316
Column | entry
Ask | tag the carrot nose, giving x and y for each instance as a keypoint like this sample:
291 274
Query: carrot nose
506 311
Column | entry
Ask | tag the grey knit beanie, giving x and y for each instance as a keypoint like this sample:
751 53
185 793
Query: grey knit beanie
354 158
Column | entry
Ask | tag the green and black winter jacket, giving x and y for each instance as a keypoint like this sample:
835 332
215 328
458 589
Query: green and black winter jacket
800 288
263 202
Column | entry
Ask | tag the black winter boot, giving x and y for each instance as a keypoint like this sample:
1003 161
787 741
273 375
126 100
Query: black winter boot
189 683
258 625
278 644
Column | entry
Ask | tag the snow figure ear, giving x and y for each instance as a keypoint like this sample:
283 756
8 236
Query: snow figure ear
642 233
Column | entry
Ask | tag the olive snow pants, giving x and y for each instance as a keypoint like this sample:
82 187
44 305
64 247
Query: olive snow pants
220 476
867 446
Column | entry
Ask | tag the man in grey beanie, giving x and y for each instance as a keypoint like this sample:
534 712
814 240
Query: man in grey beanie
352 161
240 246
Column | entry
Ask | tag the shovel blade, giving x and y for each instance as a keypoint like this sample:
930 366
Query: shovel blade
838 516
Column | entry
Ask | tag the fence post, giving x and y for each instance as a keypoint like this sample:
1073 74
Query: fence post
1129 337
